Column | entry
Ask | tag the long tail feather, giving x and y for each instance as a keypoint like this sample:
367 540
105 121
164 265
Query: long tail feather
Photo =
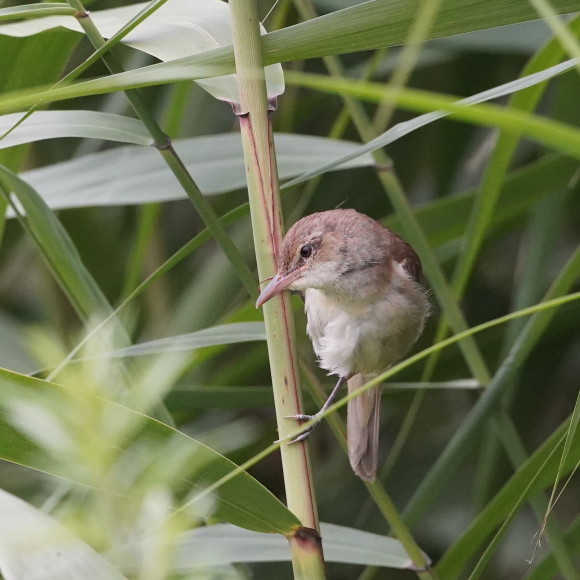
363 429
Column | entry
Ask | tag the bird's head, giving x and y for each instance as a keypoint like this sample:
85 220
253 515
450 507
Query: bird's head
341 252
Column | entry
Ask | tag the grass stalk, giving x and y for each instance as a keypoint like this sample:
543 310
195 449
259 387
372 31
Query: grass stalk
518 455
265 209
163 143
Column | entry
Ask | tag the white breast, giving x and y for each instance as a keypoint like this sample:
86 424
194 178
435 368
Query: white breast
349 338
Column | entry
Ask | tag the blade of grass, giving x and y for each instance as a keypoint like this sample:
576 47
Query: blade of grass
363 27
539 240
466 435
164 146
518 455
57 249
528 485
544 131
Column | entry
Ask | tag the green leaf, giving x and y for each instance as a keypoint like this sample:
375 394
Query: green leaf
216 335
402 129
57 248
543 464
223 544
177 29
381 23
134 175
241 500
87 124
556 135
34 546
374 24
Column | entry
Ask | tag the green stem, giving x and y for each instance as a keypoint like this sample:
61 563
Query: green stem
263 194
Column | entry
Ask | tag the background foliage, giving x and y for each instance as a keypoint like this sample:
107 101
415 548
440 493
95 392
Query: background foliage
473 435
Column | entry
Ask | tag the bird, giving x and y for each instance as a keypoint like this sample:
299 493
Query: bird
365 308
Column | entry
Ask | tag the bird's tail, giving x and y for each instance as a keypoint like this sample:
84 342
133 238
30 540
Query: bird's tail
363 428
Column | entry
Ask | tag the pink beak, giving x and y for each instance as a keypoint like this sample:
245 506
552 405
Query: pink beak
277 284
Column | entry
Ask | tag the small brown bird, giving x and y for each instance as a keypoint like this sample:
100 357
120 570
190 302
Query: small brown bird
365 309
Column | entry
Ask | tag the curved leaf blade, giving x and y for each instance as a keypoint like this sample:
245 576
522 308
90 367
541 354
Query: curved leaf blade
374 24
34 546
509 498
401 129
86 124
175 30
133 175
241 501
234 333
224 544
57 248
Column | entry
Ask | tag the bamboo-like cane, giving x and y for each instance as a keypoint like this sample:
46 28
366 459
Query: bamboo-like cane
262 178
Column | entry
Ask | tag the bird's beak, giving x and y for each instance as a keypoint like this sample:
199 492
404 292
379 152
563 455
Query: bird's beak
276 285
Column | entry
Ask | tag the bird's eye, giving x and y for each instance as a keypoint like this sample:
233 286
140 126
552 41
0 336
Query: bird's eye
306 251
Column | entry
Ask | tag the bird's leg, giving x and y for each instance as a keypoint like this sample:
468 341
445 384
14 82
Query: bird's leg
304 434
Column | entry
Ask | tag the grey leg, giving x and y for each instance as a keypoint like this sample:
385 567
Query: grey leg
304 434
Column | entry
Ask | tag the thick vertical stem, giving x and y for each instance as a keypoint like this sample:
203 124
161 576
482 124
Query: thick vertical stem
261 173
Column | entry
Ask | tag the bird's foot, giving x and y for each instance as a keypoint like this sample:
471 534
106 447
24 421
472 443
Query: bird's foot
306 432
317 417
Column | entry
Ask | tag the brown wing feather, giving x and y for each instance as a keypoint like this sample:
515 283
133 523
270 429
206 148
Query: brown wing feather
402 252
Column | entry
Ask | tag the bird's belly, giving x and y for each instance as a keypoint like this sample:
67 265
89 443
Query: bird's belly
360 339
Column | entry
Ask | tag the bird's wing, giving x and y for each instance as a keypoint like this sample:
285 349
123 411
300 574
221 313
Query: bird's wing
403 253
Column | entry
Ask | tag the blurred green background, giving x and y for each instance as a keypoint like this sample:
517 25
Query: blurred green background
222 395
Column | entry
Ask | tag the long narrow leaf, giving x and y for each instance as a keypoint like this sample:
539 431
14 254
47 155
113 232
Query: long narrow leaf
136 175
33 546
401 129
242 501
87 124
369 25
508 498
225 334
57 248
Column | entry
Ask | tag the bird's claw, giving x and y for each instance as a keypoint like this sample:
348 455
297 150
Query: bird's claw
300 417
306 433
